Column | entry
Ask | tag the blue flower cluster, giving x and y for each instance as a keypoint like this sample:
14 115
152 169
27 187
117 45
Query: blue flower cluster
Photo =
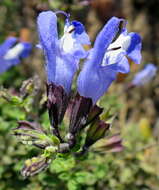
112 47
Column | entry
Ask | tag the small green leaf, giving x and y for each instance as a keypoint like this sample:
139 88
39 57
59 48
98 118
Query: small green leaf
73 185
62 164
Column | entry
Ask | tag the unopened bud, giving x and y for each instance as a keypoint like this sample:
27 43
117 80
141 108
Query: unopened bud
96 131
112 144
35 165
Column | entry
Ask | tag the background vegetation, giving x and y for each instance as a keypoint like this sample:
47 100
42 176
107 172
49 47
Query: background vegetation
136 168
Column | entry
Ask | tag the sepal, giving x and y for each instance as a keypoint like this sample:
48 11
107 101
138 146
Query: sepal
96 131
94 113
79 113
57 102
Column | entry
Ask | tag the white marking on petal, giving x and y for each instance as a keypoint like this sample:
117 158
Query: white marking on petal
69 29
122 41
66 42
116 50
126 43
14 52
112 57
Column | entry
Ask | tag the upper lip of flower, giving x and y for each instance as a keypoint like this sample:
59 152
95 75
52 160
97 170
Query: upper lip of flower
108 57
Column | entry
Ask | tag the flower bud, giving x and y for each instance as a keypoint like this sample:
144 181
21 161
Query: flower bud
96 131
112 144
32 134
35 165
94 113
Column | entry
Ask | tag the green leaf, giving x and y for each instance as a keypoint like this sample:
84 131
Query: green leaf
73 185
15 100
62 164
85 177
64 176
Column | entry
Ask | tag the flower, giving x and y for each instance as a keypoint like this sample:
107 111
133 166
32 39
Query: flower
62 55
145 75
11 53
8 43
106 59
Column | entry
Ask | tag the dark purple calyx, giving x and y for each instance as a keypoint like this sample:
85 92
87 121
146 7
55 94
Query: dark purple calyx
93 114
96 131
57 102
79 113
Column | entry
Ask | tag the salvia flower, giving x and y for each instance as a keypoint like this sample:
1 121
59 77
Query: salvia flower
62 54
12 51
107 58
6 45
145 75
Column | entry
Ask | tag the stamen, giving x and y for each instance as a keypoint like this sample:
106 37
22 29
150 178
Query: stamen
73 29
63 12
112 49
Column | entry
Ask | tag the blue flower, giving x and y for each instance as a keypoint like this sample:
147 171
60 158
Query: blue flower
62 54
8 43
11 53
145 75
107 58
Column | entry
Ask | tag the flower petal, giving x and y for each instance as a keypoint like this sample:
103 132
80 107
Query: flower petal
112 57
66 67
14 52
145 75
72 46
9 42
73 39
83 38
79 28
123 65
6 64
27 49
94 79
47 27
12 57
134 49
104 38
93 83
